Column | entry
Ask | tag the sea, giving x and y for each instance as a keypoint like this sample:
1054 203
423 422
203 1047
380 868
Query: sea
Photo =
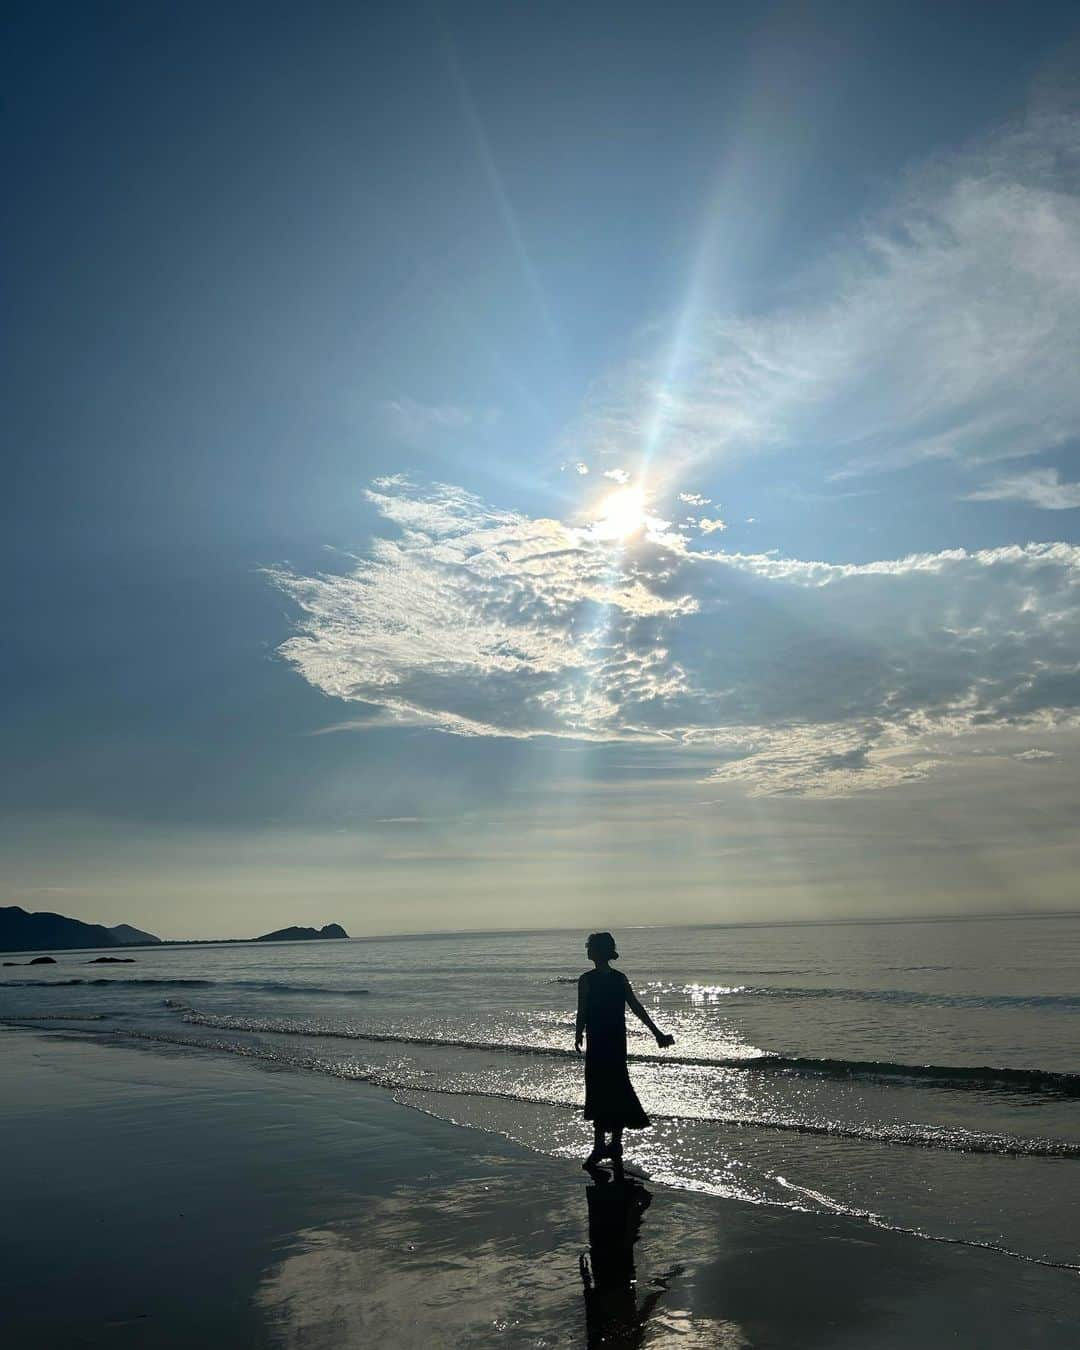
917 1076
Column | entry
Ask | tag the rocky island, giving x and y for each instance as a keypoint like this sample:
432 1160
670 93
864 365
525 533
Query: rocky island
331 930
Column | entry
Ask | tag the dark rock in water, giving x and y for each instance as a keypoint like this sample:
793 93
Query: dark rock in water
14 963
112 961
331 930
42 961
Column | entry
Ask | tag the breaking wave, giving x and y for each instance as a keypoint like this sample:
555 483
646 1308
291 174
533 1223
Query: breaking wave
1039 1081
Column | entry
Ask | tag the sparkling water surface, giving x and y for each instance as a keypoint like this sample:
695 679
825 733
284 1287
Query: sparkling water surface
918 1075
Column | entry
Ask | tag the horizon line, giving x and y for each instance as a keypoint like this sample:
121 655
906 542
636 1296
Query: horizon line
982 916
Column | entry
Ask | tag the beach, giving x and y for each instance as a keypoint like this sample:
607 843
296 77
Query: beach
541 711
919 1077
163 1197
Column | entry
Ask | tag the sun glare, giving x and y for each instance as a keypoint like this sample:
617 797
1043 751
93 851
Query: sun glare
621 514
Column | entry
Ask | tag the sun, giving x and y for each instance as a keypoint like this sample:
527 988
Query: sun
620 514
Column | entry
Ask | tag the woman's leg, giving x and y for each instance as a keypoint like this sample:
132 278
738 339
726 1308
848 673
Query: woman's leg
615 1151
597 1149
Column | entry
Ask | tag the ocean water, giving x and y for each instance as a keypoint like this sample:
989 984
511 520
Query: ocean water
917 1076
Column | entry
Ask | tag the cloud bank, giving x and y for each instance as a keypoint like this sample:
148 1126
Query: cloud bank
793 676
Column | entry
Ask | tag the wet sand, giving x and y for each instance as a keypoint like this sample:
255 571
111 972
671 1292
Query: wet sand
172 1199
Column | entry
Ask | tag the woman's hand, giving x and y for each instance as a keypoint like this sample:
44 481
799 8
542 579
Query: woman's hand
663 1040
577 1044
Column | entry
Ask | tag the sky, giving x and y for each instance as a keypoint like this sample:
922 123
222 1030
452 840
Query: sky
485 466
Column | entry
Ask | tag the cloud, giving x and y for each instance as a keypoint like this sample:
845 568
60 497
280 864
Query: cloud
1034 755
581 468
419 424
1039 487
617 475
694 499
707 526
793 676
946 326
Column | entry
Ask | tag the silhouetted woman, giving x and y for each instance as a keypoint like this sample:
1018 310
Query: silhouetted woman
610 1100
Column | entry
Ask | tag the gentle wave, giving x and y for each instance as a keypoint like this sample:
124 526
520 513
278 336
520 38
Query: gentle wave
740 971
277 987
253 986
953 1140
1041 1081
920 998
945 1239
146 983
937 968
414 1100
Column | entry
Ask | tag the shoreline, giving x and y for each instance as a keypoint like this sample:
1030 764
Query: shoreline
189 1199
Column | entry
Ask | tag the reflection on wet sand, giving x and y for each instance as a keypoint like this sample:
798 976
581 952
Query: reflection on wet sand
618 1316
483 1263
612 1315
476 1263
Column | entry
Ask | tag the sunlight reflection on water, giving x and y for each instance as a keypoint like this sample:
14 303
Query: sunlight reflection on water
485 1026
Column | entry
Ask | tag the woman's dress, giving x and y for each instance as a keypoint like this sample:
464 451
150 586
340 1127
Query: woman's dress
610 1100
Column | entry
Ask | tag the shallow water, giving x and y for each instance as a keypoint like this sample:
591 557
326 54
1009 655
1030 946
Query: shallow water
921 1075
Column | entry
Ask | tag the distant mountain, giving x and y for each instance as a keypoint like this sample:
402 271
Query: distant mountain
126 936
24 932
332 930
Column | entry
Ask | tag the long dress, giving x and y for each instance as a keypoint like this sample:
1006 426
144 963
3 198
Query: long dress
610 1100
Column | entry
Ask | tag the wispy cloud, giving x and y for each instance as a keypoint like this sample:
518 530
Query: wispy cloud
798 676
1038 487
419 424
947 326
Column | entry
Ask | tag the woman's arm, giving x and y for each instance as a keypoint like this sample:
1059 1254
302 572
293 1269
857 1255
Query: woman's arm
634 1004
579 1027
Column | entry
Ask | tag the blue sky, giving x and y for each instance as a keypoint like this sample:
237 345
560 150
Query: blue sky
494 465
